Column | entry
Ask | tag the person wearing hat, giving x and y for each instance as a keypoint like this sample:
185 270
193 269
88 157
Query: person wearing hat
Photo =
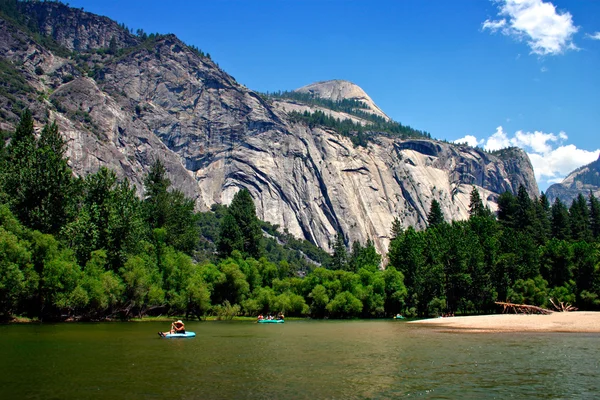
176 327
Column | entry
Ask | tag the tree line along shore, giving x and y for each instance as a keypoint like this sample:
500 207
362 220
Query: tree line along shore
88 248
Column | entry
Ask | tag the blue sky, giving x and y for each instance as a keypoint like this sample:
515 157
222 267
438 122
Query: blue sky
492 73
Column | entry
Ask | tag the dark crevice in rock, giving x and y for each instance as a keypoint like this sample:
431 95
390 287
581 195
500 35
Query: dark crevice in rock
421 146
360 170
327 208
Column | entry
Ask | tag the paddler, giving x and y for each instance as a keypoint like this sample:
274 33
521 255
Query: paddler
176 327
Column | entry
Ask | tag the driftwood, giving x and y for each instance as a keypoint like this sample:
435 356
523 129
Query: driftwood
563 307
522 308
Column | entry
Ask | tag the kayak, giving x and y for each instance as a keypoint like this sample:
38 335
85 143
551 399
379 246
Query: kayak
270 321
400 317
179 335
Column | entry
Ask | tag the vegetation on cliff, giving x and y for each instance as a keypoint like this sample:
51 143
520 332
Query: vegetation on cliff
358 133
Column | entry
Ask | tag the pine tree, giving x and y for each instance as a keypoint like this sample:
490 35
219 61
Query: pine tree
594 215
230 237
156 200
435 216
16 172
364 257
37 178
541 227
339 259
559 224
525 213
579 216
243 211
507 209
169 210
112 46
476 208
397 229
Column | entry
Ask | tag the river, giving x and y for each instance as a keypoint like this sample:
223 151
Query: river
295 360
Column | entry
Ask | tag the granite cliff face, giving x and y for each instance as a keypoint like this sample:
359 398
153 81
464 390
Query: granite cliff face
74 29
338 89
161 99
583 180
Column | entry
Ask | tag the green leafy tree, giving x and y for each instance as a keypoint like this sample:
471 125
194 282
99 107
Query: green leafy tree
14 257
103 288
232 286
345 305
319 301
395 291
530 291
198 292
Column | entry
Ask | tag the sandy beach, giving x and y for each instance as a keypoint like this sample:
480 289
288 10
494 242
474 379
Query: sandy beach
579 321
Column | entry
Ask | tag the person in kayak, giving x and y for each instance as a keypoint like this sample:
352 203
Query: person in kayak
176 327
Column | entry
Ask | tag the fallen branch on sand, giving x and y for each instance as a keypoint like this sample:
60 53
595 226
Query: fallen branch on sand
522 308
563 307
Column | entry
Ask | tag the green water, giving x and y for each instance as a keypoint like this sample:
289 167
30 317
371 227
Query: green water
295 360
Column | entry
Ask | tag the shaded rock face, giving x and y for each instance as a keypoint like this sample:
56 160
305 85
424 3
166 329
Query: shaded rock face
583 180
216 136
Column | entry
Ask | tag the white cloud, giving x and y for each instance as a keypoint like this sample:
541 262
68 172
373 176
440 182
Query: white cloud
469 140
537 141
546 31
595 36
551 159
497 141
556 164
494 25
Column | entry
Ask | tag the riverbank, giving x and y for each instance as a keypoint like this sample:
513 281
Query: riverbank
579 321
160 318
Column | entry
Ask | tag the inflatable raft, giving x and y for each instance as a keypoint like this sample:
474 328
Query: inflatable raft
178 335
270 321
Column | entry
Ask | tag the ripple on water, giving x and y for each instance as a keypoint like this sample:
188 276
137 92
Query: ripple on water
305 359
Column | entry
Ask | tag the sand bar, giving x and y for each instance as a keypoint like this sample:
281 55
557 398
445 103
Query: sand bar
578 321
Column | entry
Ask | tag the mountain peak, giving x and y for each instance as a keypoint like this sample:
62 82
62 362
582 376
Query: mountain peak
338 90
584 180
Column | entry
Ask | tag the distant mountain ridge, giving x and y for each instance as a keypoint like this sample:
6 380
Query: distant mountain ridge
583 180
124 100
